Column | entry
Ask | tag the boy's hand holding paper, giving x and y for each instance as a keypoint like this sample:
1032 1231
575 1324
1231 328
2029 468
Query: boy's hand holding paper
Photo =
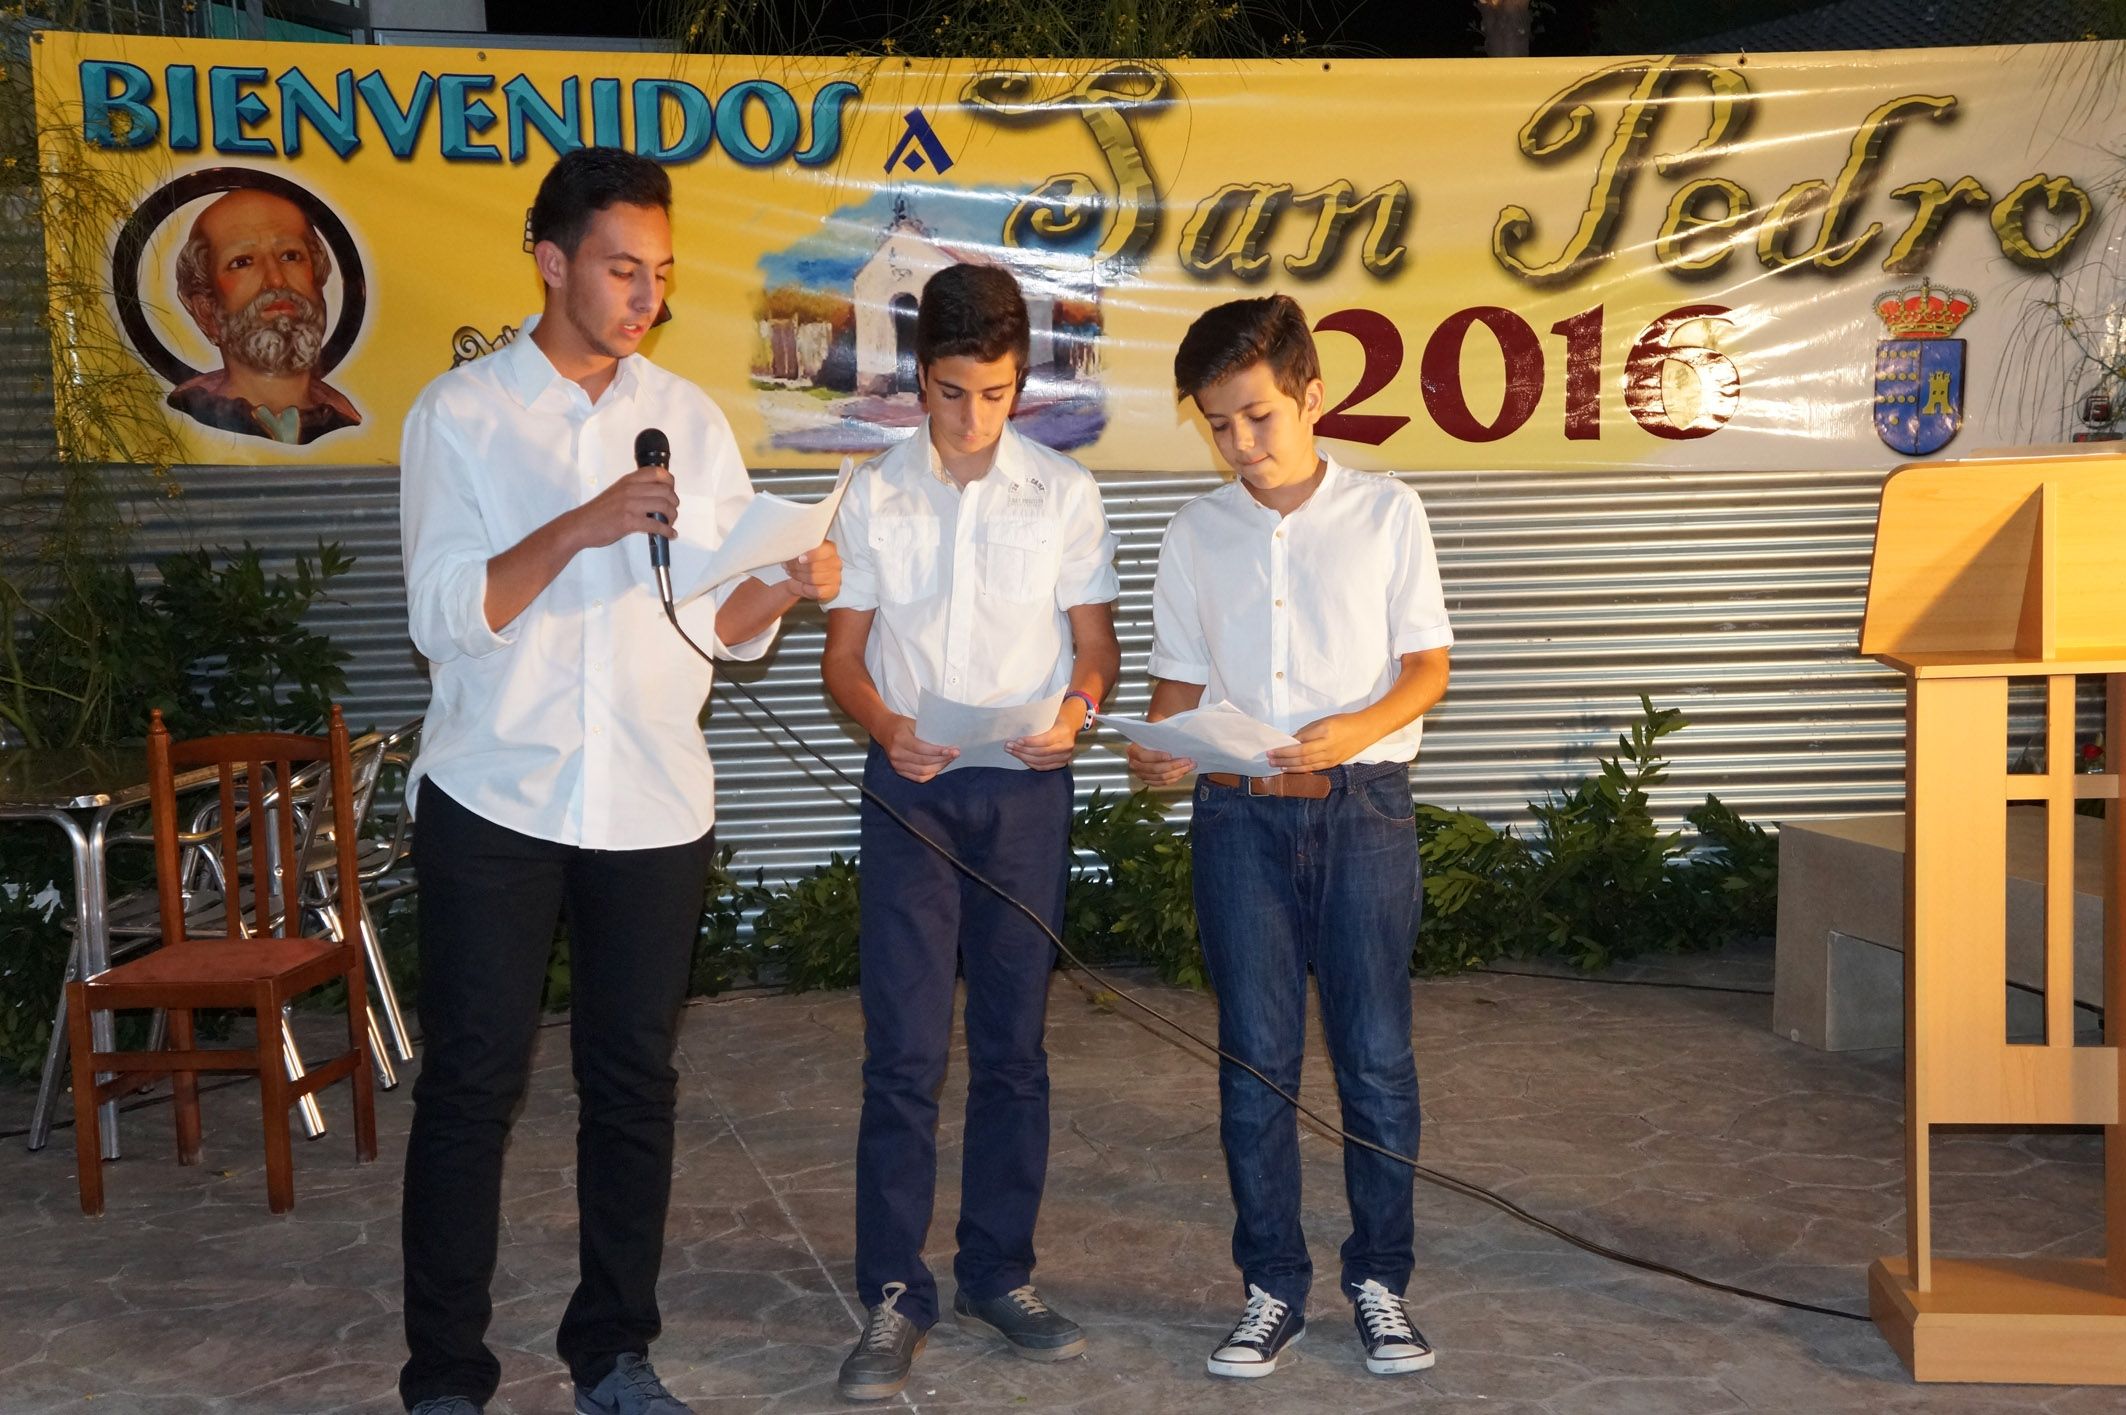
979 733
1216 737
773 530
1331 741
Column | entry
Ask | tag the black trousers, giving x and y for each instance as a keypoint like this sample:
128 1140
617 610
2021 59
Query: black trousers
490 899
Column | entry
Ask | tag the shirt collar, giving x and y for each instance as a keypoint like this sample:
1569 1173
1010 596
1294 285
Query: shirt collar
529 375
1331 470
1009 464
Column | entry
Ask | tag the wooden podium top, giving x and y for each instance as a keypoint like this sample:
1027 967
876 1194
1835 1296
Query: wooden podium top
2012 563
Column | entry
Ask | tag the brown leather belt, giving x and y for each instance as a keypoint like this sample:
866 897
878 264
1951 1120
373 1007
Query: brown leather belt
1296 785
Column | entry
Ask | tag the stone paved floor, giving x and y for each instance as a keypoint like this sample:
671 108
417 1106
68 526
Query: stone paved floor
1667 1122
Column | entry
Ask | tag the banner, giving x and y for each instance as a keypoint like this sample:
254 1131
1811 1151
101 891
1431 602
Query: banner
1706 262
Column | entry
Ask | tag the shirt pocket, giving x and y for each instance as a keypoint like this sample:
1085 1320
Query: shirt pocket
1020 560
905 549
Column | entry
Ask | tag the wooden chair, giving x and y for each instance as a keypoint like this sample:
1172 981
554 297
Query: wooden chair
258 965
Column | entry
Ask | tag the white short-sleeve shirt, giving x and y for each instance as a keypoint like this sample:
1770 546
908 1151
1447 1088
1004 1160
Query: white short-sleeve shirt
1298 617
973 586
578 721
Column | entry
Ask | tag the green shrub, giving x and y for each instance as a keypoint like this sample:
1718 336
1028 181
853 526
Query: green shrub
1475 878
219 645
1135 905
720 956
1598 880
1734 876
806 935
33 944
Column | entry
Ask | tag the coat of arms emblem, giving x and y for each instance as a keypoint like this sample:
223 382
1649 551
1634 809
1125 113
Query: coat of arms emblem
1919 369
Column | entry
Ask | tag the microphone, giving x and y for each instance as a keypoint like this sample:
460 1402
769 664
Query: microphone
654 449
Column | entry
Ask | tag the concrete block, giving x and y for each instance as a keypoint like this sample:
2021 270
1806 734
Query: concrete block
1839 964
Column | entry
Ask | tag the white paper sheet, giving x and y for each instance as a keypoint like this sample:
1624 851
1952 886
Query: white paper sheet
773 529
1217 737
981 732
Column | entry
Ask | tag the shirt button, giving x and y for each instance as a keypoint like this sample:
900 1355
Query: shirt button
1278 602
600 731
1280 673
597 604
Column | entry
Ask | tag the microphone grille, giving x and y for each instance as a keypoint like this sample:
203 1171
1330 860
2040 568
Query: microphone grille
652 448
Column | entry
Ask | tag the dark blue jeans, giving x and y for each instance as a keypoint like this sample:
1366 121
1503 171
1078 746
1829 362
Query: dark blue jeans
1282 884
919 917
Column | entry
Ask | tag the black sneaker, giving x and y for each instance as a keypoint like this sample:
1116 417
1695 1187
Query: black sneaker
1265 1329
1392 1344
878 1367
1035 1330
446 1405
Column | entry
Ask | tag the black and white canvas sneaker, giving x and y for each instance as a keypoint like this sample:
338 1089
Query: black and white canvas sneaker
1265 1329
1393 1345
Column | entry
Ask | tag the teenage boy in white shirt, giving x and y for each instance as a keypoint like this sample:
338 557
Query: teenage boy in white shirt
562 764
1307 595
979 566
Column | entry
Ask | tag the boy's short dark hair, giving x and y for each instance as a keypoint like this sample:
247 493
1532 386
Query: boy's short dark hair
1228 338
972 312
586 182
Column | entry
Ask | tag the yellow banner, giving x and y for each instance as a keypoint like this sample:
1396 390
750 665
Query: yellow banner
1708 262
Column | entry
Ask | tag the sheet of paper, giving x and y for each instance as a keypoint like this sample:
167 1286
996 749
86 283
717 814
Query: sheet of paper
981 732
1217 737
773 529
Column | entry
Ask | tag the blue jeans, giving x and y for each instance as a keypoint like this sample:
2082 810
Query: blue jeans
918 918
1281 884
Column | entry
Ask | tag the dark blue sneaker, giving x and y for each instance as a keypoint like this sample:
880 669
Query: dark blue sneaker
1035 1330
1265 1329
878 1367
1393 1344
630 1388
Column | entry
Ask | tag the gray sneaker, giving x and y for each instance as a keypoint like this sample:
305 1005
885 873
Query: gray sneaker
1035 1330
630 1388
878 1368
445 1405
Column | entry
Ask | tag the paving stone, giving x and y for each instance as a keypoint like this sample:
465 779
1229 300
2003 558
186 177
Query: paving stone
1668 1122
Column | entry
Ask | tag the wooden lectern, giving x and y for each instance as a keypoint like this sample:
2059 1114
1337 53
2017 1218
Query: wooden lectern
1986 572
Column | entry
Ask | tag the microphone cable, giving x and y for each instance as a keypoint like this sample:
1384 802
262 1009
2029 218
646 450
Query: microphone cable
1431 1176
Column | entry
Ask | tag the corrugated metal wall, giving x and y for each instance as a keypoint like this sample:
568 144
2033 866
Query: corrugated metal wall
1733 596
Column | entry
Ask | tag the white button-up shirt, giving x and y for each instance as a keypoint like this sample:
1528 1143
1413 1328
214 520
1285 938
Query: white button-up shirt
1299 617
578 721
973 586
